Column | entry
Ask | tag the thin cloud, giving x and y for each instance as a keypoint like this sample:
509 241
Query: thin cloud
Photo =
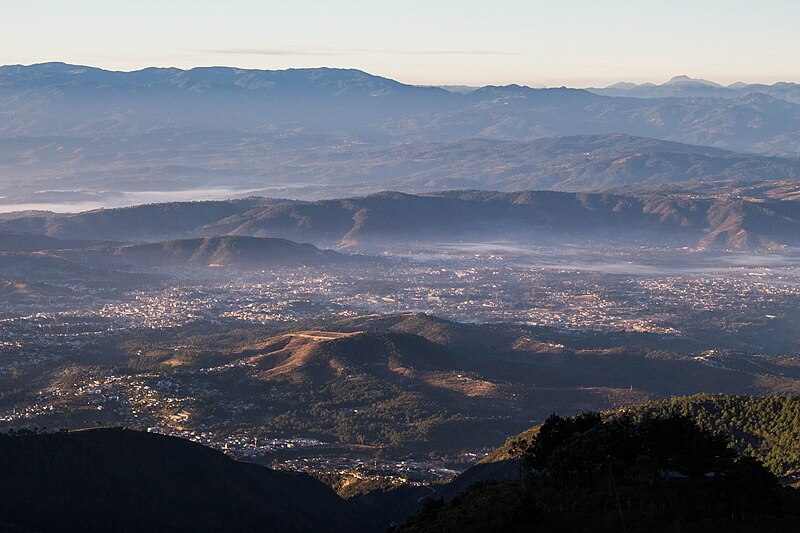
271 52
452 52
349 52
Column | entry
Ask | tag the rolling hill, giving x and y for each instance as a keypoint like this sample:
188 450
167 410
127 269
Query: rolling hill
148 222
762 427
31 275
16 292
226 251
402 380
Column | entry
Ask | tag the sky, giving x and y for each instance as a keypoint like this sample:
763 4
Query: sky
577 43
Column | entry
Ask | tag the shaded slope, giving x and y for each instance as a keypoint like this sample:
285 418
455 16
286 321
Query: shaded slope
762 427
16 292
448 216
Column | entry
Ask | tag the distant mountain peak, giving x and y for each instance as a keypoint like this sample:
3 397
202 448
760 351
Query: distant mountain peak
679 79
683 79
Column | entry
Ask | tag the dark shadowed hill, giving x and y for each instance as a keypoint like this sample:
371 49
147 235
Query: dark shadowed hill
119 480
763 427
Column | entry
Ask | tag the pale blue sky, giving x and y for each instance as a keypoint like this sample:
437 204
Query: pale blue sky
538 43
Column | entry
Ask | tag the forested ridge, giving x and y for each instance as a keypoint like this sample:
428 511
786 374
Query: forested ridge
766 428
648 468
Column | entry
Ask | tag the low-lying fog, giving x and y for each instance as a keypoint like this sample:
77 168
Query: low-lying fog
77 201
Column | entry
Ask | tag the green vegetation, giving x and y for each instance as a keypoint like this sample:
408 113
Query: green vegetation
358 411
766 428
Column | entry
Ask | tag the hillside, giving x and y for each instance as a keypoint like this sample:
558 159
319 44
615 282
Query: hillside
226 251
402 390
114 479
766 428
101 479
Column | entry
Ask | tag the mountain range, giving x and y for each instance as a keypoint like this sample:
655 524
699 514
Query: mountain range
722 221
685 86
79 134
